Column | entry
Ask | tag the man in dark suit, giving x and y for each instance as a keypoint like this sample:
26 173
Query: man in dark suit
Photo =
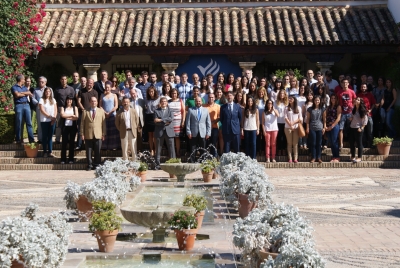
164 130
100 85
230 117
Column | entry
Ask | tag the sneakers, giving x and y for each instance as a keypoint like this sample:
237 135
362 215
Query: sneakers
273 161
268 160
51 155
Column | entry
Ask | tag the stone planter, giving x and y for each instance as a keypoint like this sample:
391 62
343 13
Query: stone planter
200 217
106 240
85 208
207 177
186 238
383 148
245 206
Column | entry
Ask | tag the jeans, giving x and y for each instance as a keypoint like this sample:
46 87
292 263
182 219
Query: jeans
68 137
250 143
270 144
391 131
356 137
333 141
23 111
213 140
315 141
47 136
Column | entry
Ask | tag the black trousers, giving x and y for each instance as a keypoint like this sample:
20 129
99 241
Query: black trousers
196 142
213 140
281 139
93 145
68 137
356 137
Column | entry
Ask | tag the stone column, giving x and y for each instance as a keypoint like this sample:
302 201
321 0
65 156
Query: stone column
170 67
247 66
325 66
92 71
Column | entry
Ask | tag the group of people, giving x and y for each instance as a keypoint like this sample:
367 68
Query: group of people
265 113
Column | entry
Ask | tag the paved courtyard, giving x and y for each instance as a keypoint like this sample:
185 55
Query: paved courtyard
355 212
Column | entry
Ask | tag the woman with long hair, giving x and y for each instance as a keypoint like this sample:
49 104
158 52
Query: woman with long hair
68 120
245 83
178 110
252 90
294 90
230 79
332 118
254 79
307 104
48 115
204 89
277 87
240 99
388 101
270 130
237 88
250 127
261 100
286 83
280 105
152 103
166 88
358 120
315 128
322 91
109 103
293 117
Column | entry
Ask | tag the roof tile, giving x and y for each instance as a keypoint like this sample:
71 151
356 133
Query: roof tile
219 26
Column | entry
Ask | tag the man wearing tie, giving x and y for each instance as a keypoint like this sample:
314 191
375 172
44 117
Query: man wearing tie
230 117
93 129
138 105
164 130
198 126
126 122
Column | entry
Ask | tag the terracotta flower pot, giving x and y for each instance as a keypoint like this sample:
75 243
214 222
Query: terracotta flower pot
207 177
200 217
245 206
263 255
186 238
85 208
172 176
31 153
383 148
215 175
142 175
18 263
106 240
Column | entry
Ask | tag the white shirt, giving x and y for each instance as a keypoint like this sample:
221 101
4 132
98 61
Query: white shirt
138 93
281 110
270 122
69 112
127 118
48 108
291 116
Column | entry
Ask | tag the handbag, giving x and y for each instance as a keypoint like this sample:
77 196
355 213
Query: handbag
301 131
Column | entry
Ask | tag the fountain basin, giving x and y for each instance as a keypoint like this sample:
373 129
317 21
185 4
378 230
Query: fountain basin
180 169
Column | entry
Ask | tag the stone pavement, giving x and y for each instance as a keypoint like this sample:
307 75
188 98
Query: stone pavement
355 212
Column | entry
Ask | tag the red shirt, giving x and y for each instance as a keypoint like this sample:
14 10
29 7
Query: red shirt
346 98
337 88
369 100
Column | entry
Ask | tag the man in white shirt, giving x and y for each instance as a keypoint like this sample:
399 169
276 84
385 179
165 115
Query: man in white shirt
126 122
310 77
330 82
196 80
184 88
132 83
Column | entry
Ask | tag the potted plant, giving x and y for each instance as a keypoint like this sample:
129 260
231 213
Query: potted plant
173 161
207 169
105 225
277 234
31 149
244 183
185 226
142 171
34 241
111 185
199 203
383 144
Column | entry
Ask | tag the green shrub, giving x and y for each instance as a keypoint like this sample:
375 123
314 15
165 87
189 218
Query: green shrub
384 140
197 201
7 123
280 73
104 217
143 167
173 161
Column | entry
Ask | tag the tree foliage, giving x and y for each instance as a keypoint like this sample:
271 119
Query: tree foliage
19 29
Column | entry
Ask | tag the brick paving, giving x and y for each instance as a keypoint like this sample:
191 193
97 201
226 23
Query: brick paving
355 212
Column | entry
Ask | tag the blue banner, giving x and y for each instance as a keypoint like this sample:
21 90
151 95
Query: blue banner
205 64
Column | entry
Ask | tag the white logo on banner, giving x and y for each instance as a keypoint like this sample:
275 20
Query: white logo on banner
212 68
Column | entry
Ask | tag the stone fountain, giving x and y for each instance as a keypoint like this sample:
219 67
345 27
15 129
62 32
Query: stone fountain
180 170
153 207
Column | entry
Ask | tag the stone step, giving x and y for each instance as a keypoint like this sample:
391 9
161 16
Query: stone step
82 159
283 165
13 147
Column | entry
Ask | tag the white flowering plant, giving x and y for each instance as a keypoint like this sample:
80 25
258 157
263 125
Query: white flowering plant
242 175
276 229
110 184
134 182
35 241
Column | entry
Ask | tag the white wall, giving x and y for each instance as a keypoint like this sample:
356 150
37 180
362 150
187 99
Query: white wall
394 7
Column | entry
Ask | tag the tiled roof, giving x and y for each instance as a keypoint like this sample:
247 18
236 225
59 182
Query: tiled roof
219 27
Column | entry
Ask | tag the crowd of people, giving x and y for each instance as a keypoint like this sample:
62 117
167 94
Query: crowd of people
275 116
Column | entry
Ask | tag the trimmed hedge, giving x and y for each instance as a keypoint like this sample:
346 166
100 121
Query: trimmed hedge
7 128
